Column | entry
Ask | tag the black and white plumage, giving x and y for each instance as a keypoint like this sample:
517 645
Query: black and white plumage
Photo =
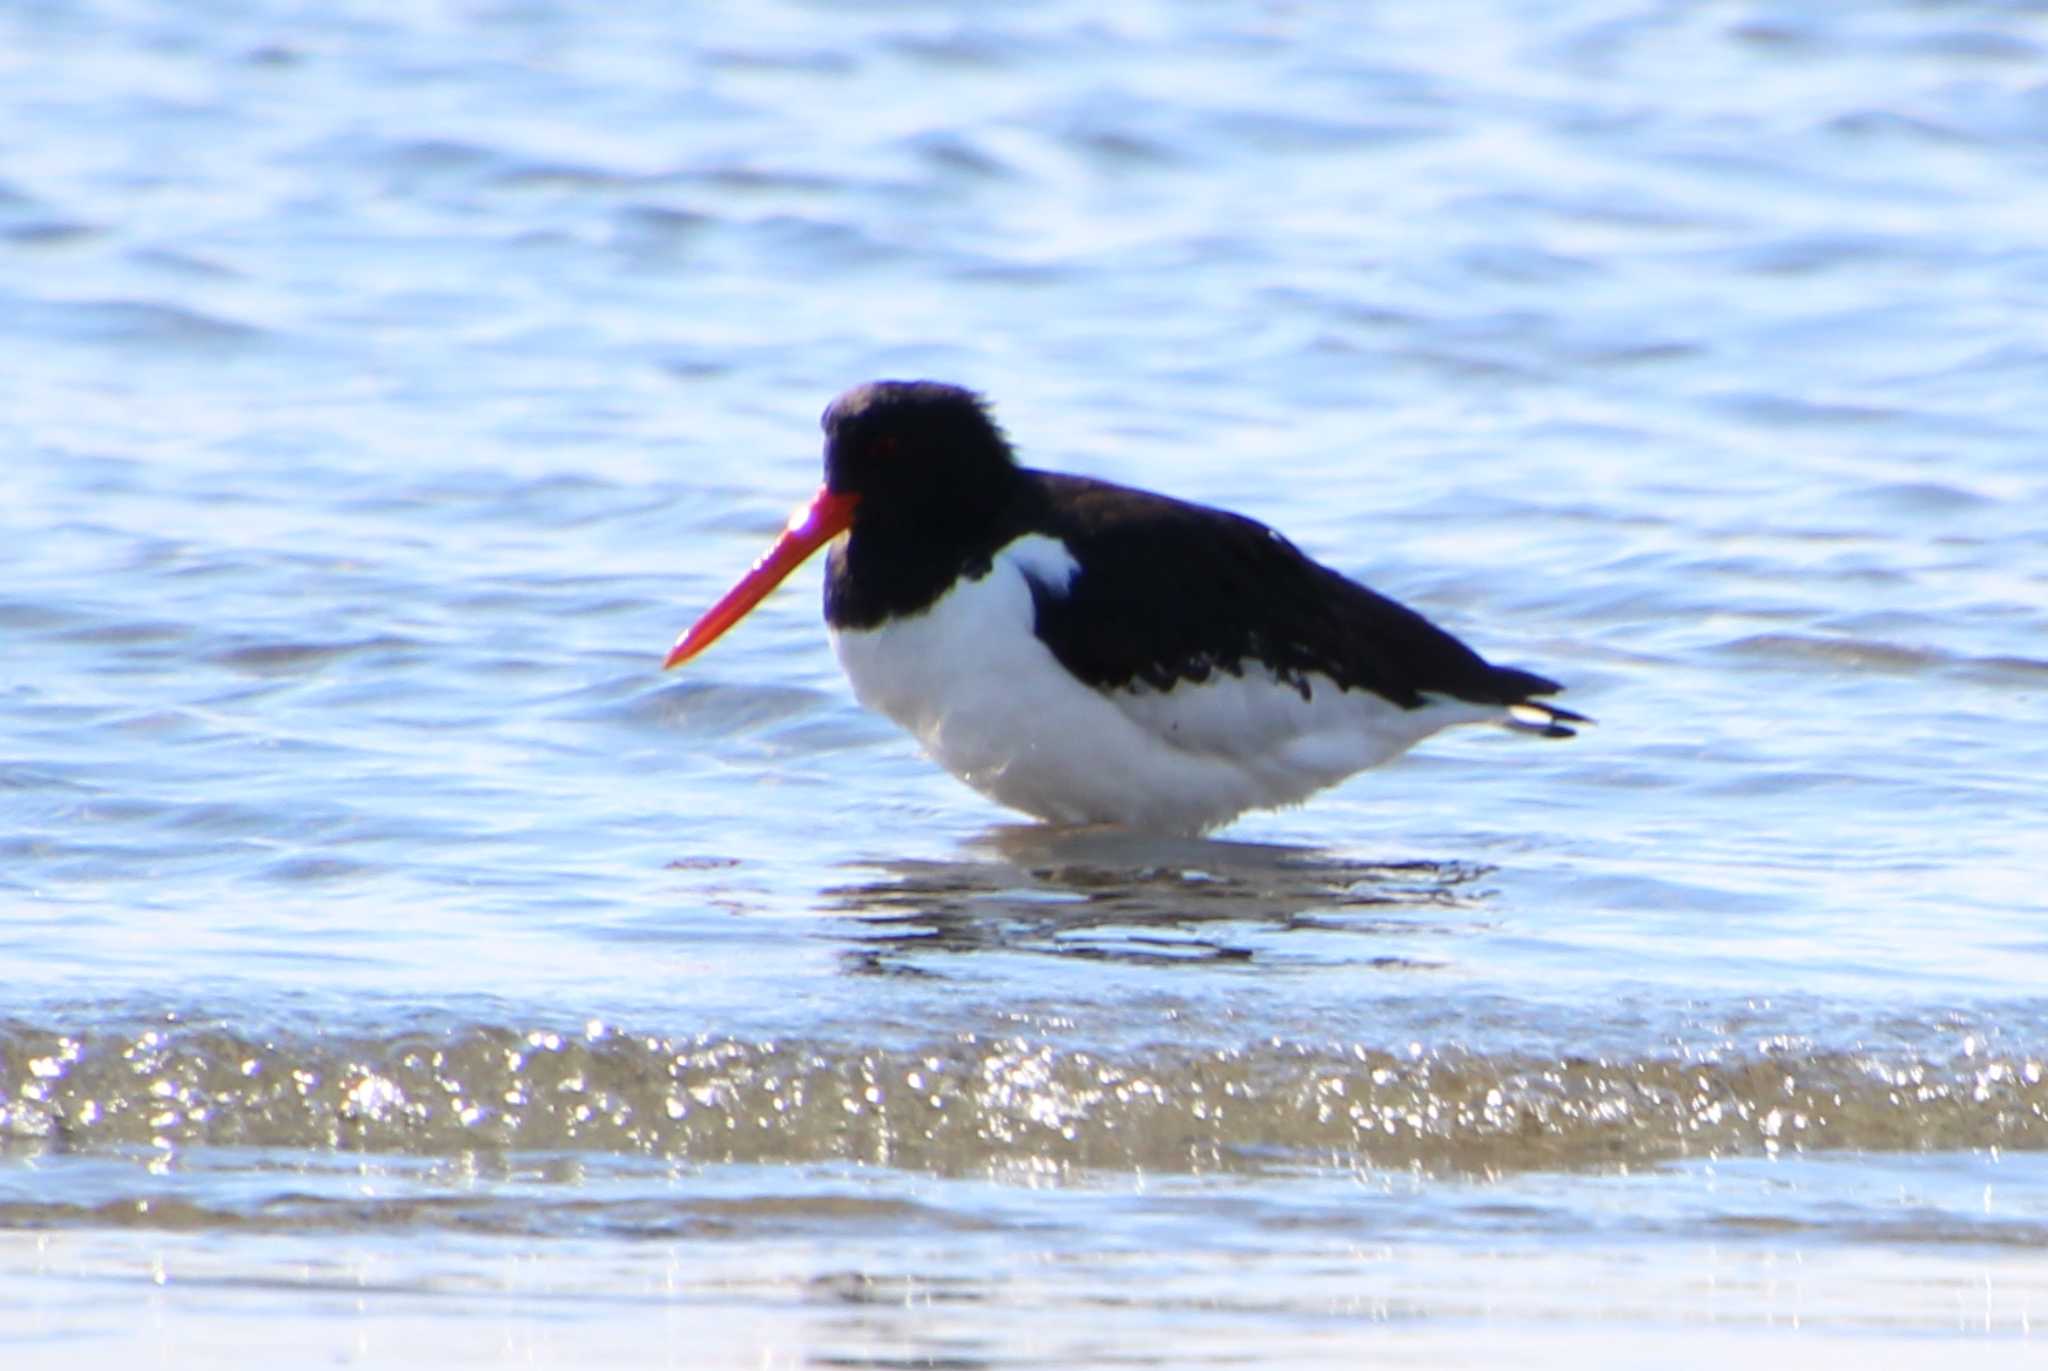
1091 653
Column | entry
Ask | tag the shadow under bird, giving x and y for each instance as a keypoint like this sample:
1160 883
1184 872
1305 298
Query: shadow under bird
1090 653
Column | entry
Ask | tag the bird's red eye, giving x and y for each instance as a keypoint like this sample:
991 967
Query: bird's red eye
883 445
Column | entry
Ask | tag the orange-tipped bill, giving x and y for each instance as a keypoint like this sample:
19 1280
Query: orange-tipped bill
810 528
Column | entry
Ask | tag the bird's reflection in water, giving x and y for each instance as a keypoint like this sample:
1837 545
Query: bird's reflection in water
1105 893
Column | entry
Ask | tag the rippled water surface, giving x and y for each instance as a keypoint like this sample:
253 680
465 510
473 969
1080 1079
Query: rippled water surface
401 970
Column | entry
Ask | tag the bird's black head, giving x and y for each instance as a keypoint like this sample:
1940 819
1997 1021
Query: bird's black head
915 448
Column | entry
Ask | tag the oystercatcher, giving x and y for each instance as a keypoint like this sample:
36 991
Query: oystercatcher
1090 653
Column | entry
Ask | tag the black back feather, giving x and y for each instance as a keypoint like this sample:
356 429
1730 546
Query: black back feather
1171 592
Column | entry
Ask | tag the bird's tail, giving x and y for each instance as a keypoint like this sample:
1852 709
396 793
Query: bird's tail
1545 721
1534 716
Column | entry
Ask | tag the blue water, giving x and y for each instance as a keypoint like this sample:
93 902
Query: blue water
400 968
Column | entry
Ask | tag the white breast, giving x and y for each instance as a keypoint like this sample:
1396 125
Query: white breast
990 703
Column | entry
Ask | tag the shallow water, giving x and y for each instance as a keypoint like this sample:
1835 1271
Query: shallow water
403 969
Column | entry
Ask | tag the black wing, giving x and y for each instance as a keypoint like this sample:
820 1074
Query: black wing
1170 592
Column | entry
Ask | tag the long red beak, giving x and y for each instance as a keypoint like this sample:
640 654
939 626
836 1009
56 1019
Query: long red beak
810 528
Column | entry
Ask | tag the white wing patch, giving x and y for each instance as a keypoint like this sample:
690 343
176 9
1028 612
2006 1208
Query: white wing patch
1045 561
